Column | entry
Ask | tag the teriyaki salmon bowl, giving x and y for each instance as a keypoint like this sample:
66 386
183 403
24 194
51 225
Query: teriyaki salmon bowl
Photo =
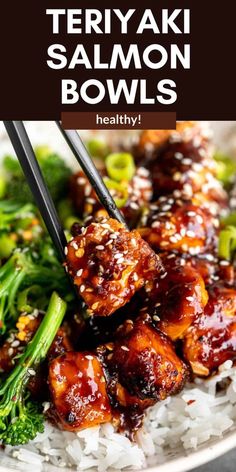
134 367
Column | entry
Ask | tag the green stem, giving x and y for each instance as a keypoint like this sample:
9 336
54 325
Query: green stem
38 347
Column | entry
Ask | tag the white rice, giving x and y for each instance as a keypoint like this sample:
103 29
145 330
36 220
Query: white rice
184 421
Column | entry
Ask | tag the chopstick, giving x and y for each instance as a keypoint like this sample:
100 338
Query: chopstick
24 151
80 152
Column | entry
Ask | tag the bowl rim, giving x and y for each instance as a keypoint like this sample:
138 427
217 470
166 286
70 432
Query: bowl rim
202 455
185 463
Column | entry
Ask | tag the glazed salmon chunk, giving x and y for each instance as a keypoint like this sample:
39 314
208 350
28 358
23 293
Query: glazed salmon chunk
109 264
78 391
143 365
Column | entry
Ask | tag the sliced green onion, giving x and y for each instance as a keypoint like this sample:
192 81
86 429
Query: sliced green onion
7 246
70 220
98 148
120 166
42 152
3 187
226 168
119 191
65 209
227 243
229 220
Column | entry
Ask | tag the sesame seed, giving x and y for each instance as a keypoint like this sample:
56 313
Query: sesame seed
155 224
15 343
142 171
135 277
100 247
124 348
215 277
190 234
46 406
31 372
166 207
156 318
113 236
74 245
10 351
170 256
120 261
173 239
178 237
118 255
177 193
105 225
210 257
79 272
194 250
188 190
191 213
81 180
134 206
82 288
66 250
197 166
87 190
186 161
167 225
91 200
199 219
224 263
190 299
177 176
178 156
164 243
163 275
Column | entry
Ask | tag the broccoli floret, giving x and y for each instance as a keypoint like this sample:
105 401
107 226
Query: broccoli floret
54 169
25 424
12 213
21 271
20 419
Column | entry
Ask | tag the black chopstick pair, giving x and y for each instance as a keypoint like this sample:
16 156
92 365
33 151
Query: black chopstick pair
24 151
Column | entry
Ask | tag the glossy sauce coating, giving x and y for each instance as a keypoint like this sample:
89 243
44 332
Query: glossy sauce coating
109 264
173 224
178 299
211 340
143 366
78 391
181 163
